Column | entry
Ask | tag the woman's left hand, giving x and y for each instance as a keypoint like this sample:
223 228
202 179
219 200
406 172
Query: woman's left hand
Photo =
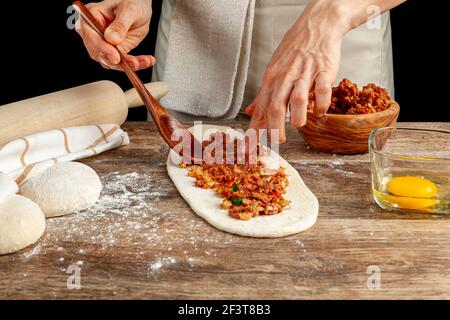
307 59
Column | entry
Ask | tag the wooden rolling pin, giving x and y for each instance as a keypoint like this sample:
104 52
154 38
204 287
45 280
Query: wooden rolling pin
94 103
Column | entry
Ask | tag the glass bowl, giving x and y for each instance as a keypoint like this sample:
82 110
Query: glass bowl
410 169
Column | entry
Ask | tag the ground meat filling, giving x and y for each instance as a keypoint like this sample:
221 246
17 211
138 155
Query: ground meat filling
248 190
348 99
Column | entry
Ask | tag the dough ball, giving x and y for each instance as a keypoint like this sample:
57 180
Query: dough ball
22 223
64 188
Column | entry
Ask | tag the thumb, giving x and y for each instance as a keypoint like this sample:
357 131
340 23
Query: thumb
124 19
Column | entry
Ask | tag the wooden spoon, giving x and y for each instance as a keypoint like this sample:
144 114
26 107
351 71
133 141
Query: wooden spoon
165 122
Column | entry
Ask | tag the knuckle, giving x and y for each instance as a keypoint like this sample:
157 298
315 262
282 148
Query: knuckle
131 7
322 89
269 75
258 114
292 71
92 55
298 98
300 53
275 109
288 74
146 29
117 26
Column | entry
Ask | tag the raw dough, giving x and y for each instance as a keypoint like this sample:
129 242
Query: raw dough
64 188
22 223
300 215
8 186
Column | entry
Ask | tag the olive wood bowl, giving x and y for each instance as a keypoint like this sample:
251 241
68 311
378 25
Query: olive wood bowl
346 134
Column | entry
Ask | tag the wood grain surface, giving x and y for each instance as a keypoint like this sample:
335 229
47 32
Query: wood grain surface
143 241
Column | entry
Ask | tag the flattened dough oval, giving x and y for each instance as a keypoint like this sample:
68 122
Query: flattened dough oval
300 215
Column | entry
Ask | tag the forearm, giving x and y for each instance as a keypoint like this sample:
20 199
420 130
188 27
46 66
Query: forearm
353 13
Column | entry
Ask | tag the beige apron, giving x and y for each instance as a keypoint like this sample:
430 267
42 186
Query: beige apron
366 53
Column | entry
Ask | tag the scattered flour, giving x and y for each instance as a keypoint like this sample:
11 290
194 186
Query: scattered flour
334 164
345 173
35 251
155 266
129 211
301 244
190 261
347 231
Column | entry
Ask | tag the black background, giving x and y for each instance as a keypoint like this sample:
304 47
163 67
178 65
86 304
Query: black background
40 55
170 309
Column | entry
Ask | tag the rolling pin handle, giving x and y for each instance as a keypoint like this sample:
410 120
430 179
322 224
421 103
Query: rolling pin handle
157 89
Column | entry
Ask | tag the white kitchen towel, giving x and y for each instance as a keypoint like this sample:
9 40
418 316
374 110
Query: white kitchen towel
203 54
24 157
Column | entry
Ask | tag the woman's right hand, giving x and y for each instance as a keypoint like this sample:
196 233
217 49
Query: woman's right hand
127 22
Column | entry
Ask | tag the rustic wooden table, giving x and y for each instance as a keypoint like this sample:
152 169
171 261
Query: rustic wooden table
141 240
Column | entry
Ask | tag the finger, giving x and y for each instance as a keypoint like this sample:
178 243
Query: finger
136 62
125 16
100 14
105 64
145 61
250 109
322 91
276 121
258 120
258 117
99 57
255 129
132 61
151 60
96 44
299 103
277 103
139 62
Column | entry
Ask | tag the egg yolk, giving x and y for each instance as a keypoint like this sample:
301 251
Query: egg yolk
412 192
